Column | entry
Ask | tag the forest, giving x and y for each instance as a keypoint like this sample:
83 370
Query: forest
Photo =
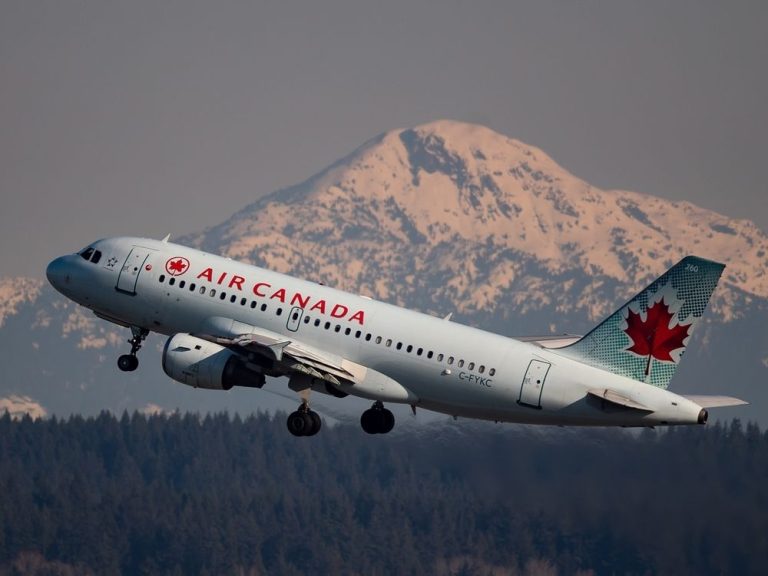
217 494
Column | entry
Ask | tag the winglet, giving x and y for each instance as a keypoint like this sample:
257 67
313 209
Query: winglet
167 237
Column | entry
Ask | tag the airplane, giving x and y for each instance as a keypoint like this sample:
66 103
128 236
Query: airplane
232 324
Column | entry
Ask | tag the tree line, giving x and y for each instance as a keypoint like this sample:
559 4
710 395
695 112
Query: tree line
185 494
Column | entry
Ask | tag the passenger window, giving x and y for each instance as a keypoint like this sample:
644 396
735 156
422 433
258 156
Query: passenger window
378 339
253 304
399 346
450 359
212 293
233 298
368 337
492 372
460 363
327 325
263 307
162 278
172 281
243 301
222 295
471 366
306 319
317 322
481 369
409 349
389 342
192 287
358 334
279 311
419 351
430 354
337 328
202 290
347 332
96 257
439 357
181 284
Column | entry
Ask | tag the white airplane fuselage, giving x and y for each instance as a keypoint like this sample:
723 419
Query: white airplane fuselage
441 365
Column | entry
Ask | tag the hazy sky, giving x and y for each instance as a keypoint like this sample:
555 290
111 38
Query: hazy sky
149 117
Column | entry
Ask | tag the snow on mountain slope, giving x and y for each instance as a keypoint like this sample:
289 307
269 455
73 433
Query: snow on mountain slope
15 292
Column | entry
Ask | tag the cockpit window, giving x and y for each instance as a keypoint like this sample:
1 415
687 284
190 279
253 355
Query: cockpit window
91 254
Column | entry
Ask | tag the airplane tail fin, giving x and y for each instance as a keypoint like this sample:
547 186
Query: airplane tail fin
646 338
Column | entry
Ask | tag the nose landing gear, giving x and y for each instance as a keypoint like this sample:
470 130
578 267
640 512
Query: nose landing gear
129 362
377 419
304 422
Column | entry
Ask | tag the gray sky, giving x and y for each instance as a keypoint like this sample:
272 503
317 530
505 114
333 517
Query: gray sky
150 117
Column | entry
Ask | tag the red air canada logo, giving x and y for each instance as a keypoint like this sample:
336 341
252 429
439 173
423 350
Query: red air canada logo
659 335
177 266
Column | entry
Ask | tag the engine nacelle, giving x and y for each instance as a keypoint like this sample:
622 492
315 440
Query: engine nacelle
202 364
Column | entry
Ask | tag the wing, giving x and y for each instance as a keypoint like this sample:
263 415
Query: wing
287 357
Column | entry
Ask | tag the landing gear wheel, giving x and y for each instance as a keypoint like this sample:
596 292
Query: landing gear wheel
377 420
128 362
299 423
304 422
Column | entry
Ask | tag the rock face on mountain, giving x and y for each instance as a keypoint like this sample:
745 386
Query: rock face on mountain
453 217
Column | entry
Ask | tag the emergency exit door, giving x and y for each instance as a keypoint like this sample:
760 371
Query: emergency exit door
129 273
533 383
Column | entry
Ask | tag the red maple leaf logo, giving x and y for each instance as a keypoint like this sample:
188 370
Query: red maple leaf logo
176 266
653 337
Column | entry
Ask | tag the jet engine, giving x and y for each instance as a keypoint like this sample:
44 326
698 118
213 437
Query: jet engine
202 364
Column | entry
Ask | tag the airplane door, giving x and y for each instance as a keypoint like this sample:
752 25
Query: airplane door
129 274
533 383
294 318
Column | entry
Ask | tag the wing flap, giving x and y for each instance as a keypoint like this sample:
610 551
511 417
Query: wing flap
291 355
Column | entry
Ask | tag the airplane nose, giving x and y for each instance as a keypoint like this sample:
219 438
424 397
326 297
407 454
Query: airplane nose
57 273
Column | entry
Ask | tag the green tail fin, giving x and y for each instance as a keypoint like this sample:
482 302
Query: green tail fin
646 338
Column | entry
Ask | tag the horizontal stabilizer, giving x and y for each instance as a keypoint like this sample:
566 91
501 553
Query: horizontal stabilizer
615 398
715 401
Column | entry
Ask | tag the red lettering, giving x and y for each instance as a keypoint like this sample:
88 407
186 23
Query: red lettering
237 281
299 300
221 278
320 306
207 274
280 295
339 311
357 317
260 285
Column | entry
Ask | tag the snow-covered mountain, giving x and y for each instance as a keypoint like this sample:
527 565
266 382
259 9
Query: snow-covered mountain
453 217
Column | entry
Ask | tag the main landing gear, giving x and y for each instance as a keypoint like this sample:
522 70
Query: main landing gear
304 422
377 419
129 362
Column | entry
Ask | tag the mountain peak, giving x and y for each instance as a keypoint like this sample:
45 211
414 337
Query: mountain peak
460 200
